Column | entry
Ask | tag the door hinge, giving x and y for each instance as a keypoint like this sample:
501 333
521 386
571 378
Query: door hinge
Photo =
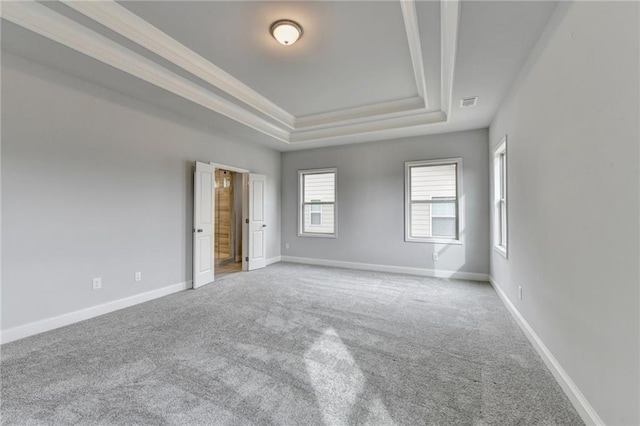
246 258
246 221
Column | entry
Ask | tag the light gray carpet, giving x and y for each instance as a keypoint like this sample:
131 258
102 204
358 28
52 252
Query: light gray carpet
290 345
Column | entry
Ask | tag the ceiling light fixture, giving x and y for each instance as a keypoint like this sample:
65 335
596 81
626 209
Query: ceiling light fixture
286 31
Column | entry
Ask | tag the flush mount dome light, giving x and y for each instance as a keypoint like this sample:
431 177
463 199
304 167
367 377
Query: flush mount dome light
286 32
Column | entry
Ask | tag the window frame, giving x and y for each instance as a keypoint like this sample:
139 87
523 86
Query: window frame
500 199
408 165
302 204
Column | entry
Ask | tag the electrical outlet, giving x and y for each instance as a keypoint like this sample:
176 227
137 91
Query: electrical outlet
520 292
97 283
434 256
138 276
286 245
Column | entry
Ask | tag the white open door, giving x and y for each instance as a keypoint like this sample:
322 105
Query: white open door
203 234
256 247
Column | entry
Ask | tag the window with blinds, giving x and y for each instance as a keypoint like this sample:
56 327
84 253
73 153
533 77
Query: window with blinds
432 200
317 203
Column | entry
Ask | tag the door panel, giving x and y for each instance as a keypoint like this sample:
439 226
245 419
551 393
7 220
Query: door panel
257 241
257 245
205 249
257 205
203 233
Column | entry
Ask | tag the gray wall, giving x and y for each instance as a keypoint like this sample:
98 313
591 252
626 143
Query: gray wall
95 184
371 203
572 125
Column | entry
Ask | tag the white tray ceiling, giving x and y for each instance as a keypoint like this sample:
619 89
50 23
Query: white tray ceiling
362 71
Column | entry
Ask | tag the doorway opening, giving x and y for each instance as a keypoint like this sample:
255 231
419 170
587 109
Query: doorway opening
232 237
228 222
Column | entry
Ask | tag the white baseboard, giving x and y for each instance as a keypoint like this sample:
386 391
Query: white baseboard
273 260
580 403
475 276
41 326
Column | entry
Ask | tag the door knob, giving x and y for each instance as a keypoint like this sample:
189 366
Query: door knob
199 230
264 225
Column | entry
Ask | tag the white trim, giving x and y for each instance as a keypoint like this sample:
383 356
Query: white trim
410 17
496 200
245 203
459 239
272 260
379 111
377 126
316 235
580 403
301 174
423 272
436 240
44 21
129 25
387 120
229 168
48 324
449 20
500 250
373 135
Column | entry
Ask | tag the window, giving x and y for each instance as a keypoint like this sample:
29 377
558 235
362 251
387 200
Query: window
500 197
433 200
317 215
443 218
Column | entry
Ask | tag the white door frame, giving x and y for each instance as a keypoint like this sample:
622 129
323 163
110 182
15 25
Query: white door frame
230 168
245 200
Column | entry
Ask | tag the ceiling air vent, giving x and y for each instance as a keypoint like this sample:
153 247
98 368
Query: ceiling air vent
468 102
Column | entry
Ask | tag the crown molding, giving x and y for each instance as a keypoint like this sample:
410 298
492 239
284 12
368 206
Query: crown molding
370 122
44 21
362 113
393 123
449 19
129 25
371 136
410 18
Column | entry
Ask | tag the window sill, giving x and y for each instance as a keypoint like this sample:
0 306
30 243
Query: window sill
501 250
434 241
300 234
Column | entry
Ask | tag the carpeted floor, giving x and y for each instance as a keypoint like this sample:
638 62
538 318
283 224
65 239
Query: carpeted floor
290 345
